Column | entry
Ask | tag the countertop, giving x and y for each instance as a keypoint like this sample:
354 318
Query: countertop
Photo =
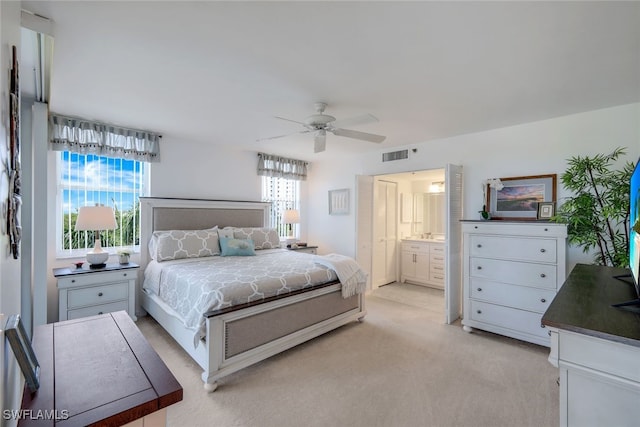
583 305
417 239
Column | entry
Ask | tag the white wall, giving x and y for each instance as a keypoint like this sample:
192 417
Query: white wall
9 268
527 149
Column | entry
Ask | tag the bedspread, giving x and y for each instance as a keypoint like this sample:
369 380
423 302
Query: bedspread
193 287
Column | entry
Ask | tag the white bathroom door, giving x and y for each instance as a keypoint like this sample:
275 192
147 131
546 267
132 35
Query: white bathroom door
385 242
453 247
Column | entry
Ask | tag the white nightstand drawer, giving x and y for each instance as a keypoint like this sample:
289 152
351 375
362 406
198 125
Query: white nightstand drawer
97 295
96 277
97 309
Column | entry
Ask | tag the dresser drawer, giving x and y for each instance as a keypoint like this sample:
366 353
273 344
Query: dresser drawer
436 248
514 248
97 295
421 248
519 229
523 273
602 355
436 277
96 278
522 297
507 317
97 309
437 258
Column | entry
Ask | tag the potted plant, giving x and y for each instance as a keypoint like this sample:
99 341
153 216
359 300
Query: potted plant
123 256
597 215
488 184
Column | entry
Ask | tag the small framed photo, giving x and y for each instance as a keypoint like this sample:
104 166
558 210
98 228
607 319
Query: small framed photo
546 210
21 346
339 202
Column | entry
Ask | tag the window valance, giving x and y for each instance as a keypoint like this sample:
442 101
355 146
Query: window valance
87 137
282 167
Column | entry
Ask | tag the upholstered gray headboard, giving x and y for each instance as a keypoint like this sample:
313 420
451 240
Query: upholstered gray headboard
195 214
200 218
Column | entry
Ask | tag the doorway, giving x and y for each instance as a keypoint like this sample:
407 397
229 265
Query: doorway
428 207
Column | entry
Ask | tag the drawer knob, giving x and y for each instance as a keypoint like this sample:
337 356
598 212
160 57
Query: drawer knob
476 227
543 250
73 280
479 245
479 267
99 294
124 274
543 300
479 311
479 289
543 275
100 312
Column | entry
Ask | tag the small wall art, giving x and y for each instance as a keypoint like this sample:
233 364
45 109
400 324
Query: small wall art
339 202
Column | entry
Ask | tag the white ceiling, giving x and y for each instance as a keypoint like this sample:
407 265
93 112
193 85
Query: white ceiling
218 72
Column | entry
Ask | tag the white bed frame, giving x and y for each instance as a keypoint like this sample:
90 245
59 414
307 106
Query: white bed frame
211 354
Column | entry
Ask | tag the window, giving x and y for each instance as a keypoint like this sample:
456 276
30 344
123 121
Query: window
283 194
87 180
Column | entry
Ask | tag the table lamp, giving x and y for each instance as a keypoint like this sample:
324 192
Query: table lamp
97 219
290 217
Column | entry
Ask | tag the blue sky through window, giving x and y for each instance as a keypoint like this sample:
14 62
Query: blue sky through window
89 179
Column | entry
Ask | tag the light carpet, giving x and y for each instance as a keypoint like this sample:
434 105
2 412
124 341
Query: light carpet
397 368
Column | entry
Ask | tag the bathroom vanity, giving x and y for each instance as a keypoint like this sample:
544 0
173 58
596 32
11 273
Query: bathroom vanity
423 262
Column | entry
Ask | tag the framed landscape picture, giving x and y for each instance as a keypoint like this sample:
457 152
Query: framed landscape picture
519 198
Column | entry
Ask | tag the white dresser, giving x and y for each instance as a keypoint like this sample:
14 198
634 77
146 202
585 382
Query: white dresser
423 263
512 270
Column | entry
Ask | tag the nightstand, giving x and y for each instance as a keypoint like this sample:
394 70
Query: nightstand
306 249
87 291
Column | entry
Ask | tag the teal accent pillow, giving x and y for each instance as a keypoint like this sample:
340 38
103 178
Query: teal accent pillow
236 247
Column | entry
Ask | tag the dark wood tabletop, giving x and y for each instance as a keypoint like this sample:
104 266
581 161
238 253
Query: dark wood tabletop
100 371
584 305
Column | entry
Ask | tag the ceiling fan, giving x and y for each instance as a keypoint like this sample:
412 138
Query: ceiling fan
321 123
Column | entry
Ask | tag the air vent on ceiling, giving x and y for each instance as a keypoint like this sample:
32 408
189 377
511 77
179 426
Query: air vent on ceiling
395 155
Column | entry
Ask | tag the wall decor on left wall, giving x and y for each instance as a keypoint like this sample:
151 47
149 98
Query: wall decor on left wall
21 346
14 230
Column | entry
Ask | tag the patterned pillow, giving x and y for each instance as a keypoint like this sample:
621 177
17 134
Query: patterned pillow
236 247
263 238
178 244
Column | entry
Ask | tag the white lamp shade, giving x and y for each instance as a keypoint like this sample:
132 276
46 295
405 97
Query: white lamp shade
96 218
291 216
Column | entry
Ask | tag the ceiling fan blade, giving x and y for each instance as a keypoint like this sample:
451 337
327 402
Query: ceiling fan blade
282 136
320 141
289 120
358 135
354 121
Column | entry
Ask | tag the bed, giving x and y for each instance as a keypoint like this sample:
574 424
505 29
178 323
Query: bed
238 329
